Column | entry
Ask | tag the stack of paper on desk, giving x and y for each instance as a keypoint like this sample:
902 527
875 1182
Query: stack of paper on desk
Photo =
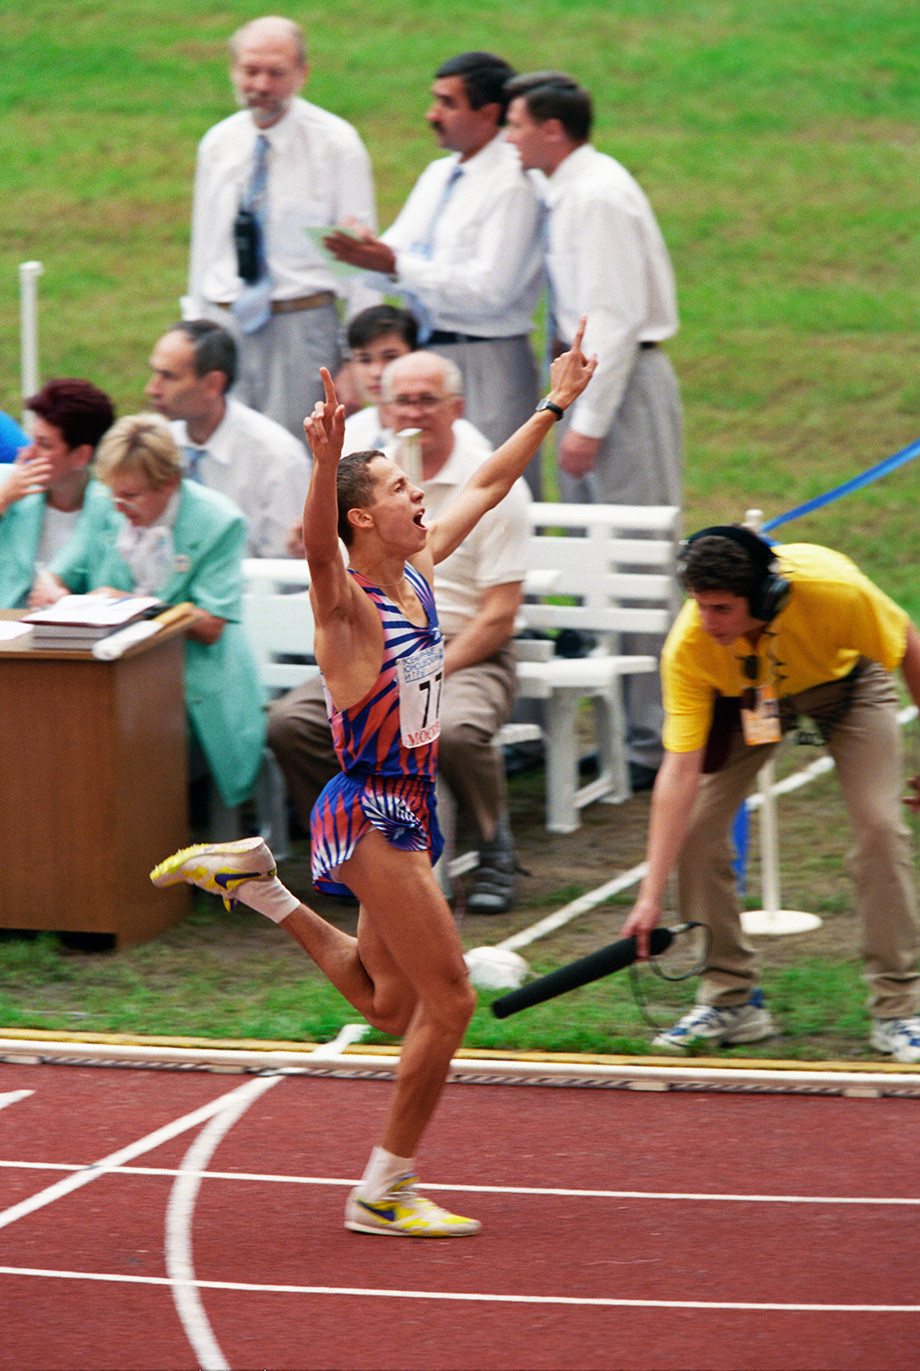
78 621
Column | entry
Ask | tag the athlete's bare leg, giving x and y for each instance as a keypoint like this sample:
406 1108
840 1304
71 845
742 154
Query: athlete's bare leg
407 936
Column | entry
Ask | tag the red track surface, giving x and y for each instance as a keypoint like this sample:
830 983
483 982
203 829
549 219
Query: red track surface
696 1266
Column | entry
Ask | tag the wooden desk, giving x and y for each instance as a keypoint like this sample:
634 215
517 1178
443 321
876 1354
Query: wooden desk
93 787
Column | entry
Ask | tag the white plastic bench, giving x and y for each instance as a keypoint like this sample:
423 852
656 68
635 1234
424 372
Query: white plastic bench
614 574
604 570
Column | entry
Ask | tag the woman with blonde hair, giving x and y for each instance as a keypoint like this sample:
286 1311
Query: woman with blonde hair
151 531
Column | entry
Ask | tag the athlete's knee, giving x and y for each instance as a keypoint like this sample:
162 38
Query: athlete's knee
456 1004
392 1011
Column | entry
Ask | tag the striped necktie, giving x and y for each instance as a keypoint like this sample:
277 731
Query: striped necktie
253 306
424 247
193 465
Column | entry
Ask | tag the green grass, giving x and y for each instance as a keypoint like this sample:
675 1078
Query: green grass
778 143
219 976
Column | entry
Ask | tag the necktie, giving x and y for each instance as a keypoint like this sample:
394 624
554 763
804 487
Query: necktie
253 306
193 465
424 246
551 327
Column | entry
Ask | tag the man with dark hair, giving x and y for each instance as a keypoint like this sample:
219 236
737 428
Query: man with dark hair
465 250
43 496
606 258
376 337
228 446
264 178
768 635
477 591
375 830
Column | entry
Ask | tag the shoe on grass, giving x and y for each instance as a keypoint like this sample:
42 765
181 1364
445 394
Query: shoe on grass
899 1038
404 1213
492 887
745 1023
219 868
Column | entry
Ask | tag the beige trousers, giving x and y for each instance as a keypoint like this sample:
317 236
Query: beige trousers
865 744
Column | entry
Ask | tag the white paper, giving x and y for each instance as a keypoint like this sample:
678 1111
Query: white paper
94 610
107 649
316 233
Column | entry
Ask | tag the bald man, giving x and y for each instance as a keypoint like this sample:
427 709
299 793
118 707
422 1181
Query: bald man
266 177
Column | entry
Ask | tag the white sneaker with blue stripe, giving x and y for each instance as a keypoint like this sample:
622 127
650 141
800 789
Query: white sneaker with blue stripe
745 1023
899 1038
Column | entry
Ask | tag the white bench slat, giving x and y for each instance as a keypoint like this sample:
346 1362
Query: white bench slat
587 560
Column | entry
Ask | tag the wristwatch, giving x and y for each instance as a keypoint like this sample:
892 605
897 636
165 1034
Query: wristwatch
553 408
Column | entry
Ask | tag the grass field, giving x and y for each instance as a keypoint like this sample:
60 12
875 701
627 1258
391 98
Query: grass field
778 142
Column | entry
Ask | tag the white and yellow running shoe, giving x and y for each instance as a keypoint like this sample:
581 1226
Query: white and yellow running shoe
404 1213
219 868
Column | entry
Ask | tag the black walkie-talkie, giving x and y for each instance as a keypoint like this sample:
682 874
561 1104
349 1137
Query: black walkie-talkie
247 237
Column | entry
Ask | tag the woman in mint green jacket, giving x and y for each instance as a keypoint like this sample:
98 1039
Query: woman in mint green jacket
149 530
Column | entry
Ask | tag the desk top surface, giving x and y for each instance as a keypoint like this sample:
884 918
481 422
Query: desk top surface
173 623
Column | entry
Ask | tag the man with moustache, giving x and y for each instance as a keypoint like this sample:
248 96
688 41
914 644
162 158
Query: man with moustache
264 177
465 251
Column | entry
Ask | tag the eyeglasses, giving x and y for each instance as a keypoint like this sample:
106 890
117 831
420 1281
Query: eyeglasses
424 402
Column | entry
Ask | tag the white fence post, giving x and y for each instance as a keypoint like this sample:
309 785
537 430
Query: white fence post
29 273
771 919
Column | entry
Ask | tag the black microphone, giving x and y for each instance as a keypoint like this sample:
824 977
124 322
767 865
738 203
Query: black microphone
607 959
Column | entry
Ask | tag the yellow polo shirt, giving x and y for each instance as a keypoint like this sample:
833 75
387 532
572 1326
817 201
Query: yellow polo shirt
834 616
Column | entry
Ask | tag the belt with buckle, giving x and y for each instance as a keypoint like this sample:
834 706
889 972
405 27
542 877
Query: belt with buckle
441 335
314 301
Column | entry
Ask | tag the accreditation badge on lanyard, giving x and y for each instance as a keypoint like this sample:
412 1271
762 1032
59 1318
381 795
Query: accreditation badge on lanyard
760 715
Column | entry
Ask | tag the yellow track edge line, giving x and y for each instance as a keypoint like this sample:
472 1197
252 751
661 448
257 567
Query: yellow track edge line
485 1056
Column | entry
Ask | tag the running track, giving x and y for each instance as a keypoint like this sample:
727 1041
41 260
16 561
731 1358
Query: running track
182 1219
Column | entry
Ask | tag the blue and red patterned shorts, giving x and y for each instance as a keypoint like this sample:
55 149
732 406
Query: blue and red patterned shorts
403 808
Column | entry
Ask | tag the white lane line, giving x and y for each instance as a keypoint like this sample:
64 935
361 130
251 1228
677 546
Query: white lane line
179 1214
471 1297
115 1159
574 908
565 1192
13 1097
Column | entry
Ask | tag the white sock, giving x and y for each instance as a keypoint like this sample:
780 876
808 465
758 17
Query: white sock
268 897
383 1168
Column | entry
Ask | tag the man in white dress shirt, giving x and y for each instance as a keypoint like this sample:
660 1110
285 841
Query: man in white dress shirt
465 251
622 440
478 594
253 266
229 447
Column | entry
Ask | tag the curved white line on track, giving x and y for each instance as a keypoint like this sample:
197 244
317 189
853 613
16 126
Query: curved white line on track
179 1214
106 1165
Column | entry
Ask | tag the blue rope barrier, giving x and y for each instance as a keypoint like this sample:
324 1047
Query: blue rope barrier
865 478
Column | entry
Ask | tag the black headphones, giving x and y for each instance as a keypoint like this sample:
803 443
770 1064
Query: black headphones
770 592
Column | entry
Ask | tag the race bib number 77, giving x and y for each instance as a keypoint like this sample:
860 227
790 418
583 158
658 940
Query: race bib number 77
420 677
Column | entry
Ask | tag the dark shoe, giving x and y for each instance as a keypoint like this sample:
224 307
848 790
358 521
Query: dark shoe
492 890
641 777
